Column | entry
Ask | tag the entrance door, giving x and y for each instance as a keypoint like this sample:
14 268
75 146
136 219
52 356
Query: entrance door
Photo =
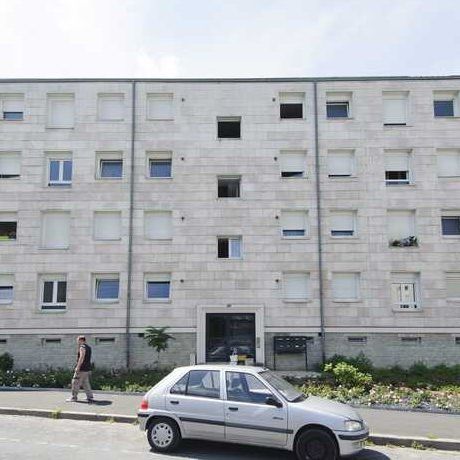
226 331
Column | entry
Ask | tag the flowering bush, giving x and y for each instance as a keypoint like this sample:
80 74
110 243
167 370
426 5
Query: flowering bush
348 376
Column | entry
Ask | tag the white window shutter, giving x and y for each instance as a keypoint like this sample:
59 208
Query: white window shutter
397 162
395 109
448 164
10 163
340 163
158 225
61 112
294 220
13 104
107 225
56 229
338 96
111 107
292 98
160 107
401 224
453 285
345 285
296 286
293 161
342 220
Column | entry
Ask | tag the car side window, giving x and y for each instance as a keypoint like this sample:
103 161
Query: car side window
180 386
244 387
204 383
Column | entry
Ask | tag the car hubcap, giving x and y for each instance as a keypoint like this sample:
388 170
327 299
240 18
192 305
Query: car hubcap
162 435
315 450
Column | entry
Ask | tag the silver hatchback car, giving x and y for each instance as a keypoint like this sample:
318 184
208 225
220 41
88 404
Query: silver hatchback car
247 405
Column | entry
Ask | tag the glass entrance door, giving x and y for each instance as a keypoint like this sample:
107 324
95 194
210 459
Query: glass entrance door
225 331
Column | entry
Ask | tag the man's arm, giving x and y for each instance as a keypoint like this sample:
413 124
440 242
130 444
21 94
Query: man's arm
80 359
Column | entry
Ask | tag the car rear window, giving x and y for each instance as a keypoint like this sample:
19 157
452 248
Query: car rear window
203 383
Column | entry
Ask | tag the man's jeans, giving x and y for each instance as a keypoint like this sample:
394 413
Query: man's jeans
81 379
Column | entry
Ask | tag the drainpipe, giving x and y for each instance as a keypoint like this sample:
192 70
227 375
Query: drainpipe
319 226
130 227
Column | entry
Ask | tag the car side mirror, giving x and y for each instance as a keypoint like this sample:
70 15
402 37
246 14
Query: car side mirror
271 401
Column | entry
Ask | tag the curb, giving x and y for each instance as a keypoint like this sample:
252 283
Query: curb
377 439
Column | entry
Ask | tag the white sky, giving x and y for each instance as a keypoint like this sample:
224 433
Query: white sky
228 38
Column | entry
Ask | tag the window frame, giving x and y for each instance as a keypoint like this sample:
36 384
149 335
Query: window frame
156 278
16 155
450 216
229 119
7 220
305 229
97 278
446 96
357 278
187 376
61 159
11 96
112 212
351 153
52 98
410 175
408 278
296 175
343 234
452 275
288 299
291 98
8 285
272 394
166 96
229 178
43 236
338 103
396 95
229 247
54 305
100 99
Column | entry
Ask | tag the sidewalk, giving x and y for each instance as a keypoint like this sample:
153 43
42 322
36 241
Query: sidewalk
386 426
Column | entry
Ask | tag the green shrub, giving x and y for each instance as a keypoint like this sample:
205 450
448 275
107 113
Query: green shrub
348 376
360 361
6 362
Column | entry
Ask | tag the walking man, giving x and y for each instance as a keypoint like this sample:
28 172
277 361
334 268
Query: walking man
82 371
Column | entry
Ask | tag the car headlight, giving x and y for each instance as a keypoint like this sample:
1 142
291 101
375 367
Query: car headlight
353 425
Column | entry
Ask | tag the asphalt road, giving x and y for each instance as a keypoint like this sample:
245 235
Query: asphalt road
37 438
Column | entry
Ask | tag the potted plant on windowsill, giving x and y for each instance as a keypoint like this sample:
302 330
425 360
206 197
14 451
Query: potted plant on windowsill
410 241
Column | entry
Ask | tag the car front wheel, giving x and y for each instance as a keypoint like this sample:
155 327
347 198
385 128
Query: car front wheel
163 435
315 444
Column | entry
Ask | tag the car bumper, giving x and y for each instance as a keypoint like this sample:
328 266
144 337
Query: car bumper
351 442
142 419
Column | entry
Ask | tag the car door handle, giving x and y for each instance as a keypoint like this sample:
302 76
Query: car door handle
234 409
174 402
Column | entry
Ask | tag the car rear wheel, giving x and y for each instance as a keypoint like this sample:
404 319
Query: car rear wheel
316 444
163 435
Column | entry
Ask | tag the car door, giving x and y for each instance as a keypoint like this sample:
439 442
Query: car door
196 400
248 418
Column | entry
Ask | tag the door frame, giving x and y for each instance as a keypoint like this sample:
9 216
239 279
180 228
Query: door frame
202 310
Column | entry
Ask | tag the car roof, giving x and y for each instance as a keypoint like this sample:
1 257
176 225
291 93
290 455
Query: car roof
228 367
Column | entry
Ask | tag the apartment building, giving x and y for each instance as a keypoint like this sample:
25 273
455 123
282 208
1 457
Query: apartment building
236 213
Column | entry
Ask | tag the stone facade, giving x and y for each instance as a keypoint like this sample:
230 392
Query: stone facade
198 277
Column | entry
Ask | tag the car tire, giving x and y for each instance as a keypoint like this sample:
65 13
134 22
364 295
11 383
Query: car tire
163 434
316 444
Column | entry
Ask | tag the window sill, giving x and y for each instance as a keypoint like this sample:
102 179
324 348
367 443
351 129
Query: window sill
450 177
6 302
343 178
447 117
403 247
290 238
111 179
108 240
347 300
393 185
402 125
450 237
158 178
11 121
453 300
341 238
8 241
46 312
160 119
293 118
117 120
59 186
60 127
158 301
297 300
10 178
339 118
231 259
294 177
53 249
407 310
228 138
101 303
228 198
159 239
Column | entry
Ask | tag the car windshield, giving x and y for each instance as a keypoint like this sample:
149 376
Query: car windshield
291 393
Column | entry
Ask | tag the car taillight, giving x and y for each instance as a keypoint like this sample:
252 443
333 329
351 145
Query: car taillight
144 404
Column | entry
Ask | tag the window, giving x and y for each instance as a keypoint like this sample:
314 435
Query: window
448 162
397 169
338 104
60 170
343 223
341 163
229 247
106 287
293 163
228 187
294 224
228 127
53 292
345 286
411 340
452 285
110 165
158 225
107 225
12 107
395 107
61 110
450 224
55 229
105 340
401 225
160 106
6 288
10 165
357 339
110 107
291 105
242 387
205 384
445 103
158 286
8 226
50 342
296 286
404 291
159 164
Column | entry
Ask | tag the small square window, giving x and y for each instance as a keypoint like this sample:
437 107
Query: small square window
397 167
111 169
160 106
6 288
111 107
59 171
53 292
229 247
291 105
337 109
8 228
160 168
443 108
341 163
55 229
450 225
294 224
293 163
10 165
12 107
61 110
448 162
345 286
296 286
395 107
405 291
343 223
228 187
106 288
107 225
229 127
158 225
453 285
158 286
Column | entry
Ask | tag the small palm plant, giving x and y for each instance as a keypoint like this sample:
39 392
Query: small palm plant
158 339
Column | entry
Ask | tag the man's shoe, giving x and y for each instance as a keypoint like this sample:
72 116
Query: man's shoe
71 399
90 401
